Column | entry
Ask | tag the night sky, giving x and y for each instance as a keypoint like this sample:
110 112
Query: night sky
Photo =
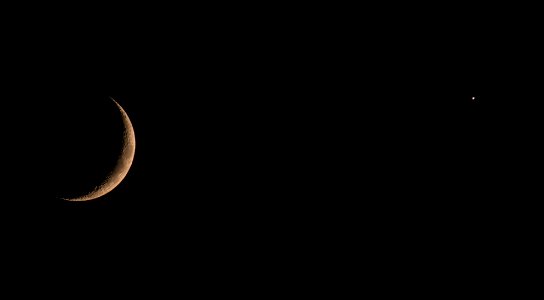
211 163
267 143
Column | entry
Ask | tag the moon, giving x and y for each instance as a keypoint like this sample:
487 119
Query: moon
122 166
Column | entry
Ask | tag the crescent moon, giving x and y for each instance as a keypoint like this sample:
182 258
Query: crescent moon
124 162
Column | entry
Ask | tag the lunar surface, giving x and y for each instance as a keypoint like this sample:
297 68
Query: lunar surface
122 166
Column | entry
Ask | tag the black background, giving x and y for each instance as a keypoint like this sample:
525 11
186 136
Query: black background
264 140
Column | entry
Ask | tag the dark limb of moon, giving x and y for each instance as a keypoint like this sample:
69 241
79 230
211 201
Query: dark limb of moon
122 166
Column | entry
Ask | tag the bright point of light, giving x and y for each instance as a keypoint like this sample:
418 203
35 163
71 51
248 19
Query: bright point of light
473 98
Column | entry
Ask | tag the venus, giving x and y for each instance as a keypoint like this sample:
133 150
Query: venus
121 168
